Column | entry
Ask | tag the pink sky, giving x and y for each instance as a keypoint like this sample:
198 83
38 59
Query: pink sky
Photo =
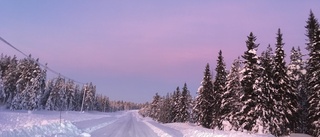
131 50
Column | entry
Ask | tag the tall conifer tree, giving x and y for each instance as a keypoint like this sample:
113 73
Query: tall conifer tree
176 105
218 89
154 107
204 100
285 97
313 77
296 72
185 104
312 26
264 88
231 97
10 78
247 115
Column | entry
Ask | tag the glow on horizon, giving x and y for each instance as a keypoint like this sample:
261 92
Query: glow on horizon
146 47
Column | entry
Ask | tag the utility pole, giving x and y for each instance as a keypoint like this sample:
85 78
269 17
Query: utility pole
84 94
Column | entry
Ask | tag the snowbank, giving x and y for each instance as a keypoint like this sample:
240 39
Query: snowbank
49 129
42 123
47 123
191 130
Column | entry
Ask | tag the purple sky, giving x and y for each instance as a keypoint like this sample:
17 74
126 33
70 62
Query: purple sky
132 49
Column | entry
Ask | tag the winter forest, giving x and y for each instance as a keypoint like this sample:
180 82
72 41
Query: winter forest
24 86
259 94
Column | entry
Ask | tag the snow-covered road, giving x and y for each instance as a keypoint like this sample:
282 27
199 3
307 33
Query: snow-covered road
98 124
125 125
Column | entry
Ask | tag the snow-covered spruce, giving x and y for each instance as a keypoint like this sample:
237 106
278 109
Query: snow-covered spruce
219 85
230 102
313 75
204 101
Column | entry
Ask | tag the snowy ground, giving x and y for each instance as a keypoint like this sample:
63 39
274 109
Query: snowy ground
96 124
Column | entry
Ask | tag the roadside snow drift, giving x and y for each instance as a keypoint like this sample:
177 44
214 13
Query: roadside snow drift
95 124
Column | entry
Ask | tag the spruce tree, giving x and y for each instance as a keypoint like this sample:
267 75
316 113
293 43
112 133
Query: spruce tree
89 92
313 85
78 98
218 89
312 26
10 78
230 103
296 72
33 91
28 85
98 103
166 107
162 111
70 93
264 88
285 97
42 81
106 104
22 82
56 100
46 94
61 87
2 93
247 115
4 63
185 104
176 105
204 100
155 107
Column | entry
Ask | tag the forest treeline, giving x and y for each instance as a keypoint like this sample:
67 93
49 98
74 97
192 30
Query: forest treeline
259 94
24 86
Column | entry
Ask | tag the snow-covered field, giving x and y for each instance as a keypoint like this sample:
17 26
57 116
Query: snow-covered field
95 124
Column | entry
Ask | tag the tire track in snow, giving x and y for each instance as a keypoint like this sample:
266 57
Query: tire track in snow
158 131
92 129
127 126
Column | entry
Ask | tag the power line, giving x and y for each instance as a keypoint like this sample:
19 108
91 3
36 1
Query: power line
45 66
6 42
